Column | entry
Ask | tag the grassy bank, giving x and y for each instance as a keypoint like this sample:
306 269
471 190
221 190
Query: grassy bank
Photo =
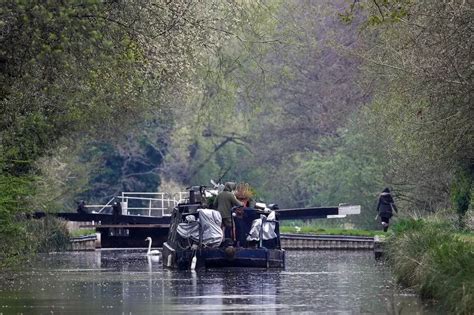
436 261
82 232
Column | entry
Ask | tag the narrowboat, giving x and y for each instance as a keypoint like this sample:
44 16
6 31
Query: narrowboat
196 239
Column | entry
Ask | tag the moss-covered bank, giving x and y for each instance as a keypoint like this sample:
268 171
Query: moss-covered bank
433 259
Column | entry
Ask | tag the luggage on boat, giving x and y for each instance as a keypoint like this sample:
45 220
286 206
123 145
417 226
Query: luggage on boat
263 227
208 224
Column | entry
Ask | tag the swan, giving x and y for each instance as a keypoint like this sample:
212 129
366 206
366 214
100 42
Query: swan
151 252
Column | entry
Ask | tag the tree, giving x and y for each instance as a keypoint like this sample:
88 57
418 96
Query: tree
423 113
211 135
312 89
78 67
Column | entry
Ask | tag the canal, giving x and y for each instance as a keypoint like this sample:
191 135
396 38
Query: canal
128 282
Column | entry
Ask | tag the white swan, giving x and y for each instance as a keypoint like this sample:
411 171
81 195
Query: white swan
151 252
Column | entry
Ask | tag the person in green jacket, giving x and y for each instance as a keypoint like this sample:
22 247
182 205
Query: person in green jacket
224 203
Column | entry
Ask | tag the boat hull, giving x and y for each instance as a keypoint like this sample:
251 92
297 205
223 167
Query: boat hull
224 257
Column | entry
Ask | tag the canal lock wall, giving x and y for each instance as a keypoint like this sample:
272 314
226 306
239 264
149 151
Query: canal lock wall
310 242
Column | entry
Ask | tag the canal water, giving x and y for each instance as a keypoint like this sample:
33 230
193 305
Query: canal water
129 282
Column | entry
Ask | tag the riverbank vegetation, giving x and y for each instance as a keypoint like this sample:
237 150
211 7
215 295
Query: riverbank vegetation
27 237
430 258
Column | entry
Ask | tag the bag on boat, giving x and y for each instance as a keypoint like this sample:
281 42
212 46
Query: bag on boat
210 221
268 232
211 227
189 229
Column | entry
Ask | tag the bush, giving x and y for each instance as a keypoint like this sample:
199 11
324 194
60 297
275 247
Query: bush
24 238
49 234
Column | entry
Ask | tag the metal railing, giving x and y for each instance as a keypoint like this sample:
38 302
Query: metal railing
156 204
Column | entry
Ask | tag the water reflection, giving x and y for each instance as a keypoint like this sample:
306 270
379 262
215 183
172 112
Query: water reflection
229 291
124 282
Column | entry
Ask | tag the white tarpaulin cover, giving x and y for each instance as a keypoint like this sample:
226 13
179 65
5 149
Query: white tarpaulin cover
268 228
210 220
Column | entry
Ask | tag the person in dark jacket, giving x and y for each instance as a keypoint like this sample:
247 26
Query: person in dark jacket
81 207
224 203
385 208
116 212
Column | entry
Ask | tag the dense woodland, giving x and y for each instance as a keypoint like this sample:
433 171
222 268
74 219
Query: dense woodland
311 102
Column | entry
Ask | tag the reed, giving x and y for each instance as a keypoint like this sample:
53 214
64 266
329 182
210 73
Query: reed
431 258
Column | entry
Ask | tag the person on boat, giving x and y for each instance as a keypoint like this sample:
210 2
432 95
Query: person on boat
224 202
243 220
385 208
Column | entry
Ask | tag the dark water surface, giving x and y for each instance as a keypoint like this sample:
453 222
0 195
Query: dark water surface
128 282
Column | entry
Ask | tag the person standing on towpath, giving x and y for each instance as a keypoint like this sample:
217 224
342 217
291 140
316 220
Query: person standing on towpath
385 208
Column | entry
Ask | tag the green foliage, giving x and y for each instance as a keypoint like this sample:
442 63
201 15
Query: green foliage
422 114
430 258
95 69
14 192
48 234
22 237
64 175
58 70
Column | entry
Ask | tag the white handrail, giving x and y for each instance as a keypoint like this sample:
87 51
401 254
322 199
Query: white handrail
157 204
147 203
